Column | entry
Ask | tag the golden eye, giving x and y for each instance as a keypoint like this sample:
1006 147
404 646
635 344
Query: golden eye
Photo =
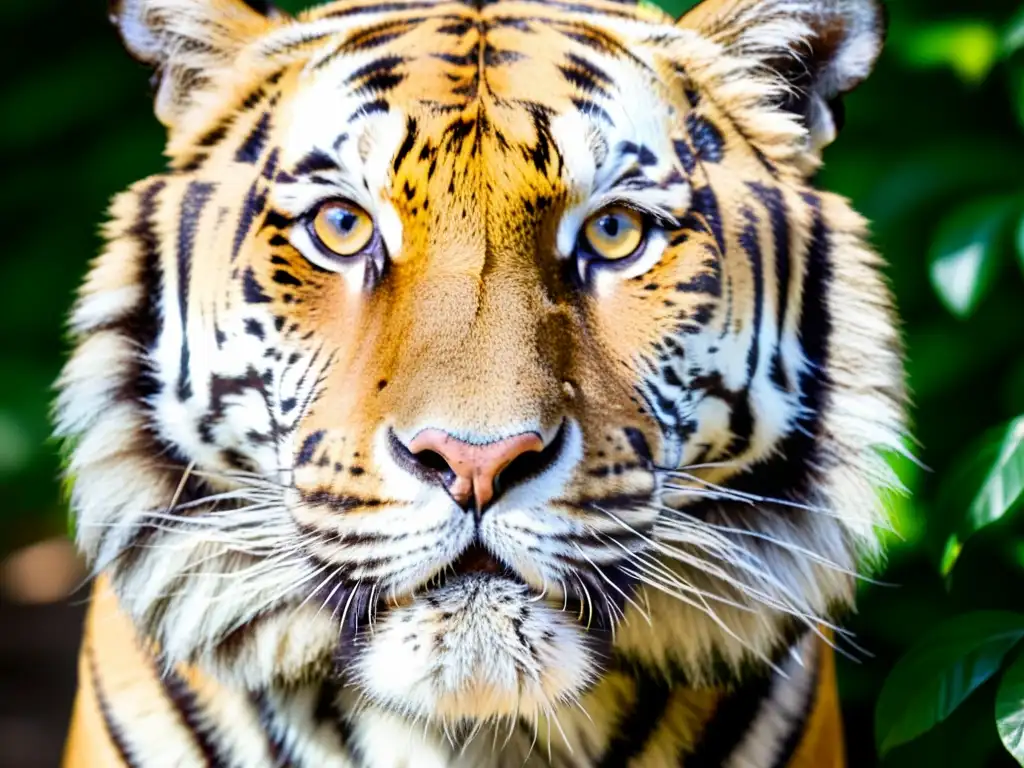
342 228
615 233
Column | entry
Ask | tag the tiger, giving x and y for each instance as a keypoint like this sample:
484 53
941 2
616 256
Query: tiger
482 383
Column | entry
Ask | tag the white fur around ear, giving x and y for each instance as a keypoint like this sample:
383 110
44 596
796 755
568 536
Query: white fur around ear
188 42
820 49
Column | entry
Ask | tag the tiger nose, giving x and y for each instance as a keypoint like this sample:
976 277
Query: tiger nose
473 470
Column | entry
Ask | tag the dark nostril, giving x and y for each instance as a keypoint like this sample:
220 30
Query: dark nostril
530 464
429 466
432 460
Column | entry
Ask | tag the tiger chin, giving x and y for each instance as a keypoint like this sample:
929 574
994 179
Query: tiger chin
481 383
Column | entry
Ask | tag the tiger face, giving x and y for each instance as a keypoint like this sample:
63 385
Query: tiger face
465 350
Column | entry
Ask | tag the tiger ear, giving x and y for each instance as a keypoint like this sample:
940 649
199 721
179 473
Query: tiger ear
820 48
188 42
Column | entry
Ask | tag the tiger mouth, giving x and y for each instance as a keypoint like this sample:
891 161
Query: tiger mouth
478 563
475 561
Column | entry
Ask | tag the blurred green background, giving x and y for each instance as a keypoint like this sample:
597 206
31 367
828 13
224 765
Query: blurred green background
932 152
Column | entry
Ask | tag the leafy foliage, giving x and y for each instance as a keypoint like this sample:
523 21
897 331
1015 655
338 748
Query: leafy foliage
1010 710
968 251
931 153
946 667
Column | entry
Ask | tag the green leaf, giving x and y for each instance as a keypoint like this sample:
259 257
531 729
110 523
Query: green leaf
966 253
942 670
969 48
1003 489
1013 35
950 554
1010 709
1001 492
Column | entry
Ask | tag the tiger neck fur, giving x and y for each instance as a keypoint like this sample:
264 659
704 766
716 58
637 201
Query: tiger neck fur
154 715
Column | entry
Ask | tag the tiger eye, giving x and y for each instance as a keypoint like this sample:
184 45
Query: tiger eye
615 233
343 228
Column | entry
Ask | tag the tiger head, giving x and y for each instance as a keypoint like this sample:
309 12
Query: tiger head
466 349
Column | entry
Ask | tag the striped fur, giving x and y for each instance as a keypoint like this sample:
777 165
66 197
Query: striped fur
281 580
134 711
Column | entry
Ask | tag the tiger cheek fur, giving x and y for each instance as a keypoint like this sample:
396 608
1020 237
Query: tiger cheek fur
475 465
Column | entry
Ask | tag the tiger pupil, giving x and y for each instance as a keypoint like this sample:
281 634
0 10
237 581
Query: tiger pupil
610 225
345 222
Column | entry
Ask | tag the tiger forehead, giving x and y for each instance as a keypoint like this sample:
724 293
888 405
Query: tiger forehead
509 103
516 61
449 62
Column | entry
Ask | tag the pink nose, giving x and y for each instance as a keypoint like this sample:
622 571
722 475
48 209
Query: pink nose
476 467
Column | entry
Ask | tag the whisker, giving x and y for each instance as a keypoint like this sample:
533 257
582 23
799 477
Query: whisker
752 497
600 572
760 535
710 613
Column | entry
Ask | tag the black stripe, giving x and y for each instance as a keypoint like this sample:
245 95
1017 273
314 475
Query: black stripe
594 71
217 134
815 321
276 744
270 167
380 8
593 109
314 162
582 80
634 729
277 220
254 205
407 144
728 725
375 37
382 83
195 719
254 327
741 425
705 203
196 198
385 65
308 448
751 243
284 277
799 723
494 57
143 325
773 200
303 41
685 155
255 142
252 291
709 282
790 473
114 729
707 139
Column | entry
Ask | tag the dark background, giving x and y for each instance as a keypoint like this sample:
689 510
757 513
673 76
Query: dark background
931 152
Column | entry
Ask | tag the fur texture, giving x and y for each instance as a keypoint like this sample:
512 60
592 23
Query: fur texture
239 403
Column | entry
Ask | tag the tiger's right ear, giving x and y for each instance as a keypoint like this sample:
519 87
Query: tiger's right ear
189 43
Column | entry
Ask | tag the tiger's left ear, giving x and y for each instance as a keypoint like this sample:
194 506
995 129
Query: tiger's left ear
190 43
820 48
